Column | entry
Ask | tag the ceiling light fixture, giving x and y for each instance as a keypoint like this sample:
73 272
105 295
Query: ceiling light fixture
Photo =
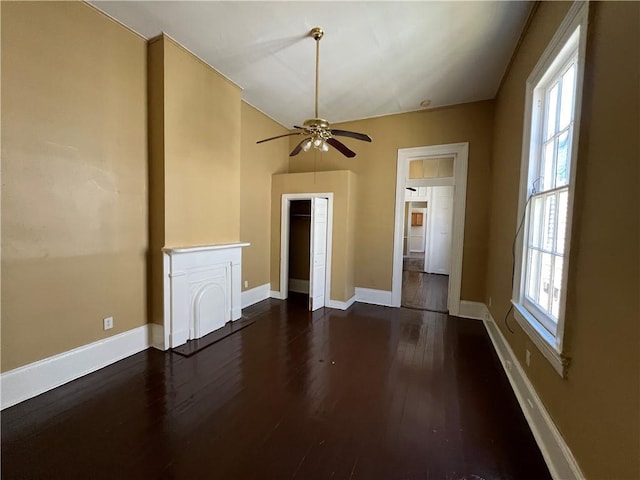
318 129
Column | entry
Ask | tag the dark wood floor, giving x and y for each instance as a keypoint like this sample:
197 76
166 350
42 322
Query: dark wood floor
426 291
370 393
413 262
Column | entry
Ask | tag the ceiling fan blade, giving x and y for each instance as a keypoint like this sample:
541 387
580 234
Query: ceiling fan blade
341 147
279 136
345 133
298 148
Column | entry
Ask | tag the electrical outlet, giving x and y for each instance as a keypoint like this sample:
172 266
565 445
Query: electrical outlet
508 363
246 284
489 301
530 403
108 323
527 358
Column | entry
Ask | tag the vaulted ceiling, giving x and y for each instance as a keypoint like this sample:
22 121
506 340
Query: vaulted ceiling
376 58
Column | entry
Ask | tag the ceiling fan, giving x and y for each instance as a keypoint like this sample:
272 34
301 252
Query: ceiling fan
319 131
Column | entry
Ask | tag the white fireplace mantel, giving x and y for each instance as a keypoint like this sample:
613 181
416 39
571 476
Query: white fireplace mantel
202 287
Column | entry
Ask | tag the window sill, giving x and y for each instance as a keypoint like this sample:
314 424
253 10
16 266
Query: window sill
545 342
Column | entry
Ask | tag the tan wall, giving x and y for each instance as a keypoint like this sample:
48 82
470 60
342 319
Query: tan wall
375 166
343 185
596 408
155 100
74 167
194 124
202 152
257 164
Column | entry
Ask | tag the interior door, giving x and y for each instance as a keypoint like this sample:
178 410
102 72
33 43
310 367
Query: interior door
318 257
439 231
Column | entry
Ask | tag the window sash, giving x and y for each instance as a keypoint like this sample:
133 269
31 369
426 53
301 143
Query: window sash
548 184
568 43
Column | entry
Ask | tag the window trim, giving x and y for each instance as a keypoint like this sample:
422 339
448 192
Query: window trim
557 54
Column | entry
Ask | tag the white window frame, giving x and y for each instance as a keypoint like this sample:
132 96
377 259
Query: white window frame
556 56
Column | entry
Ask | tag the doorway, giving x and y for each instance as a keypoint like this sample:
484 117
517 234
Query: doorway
305 256
415 169
427 250
299 250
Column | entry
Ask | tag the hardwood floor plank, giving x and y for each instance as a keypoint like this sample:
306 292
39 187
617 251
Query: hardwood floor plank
373 392
425 291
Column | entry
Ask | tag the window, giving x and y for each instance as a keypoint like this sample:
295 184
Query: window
546 186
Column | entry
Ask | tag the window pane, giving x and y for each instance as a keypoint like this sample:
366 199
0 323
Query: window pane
535 229
566 103
552 111
563 198
533 275
557 287
544 292
562 160
546 170
549 222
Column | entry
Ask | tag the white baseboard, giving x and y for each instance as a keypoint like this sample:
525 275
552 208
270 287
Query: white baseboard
30 380
337 304
156 336
299 286
275 294
557 455
255 295
376 297
476 310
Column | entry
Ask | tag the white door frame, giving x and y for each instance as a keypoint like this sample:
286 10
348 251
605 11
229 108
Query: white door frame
287 198
460 154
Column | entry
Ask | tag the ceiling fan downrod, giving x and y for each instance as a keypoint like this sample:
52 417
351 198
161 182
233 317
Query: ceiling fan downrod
319 131
317 33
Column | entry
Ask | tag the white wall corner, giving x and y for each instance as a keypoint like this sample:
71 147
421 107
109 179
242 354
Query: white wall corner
375 297
255 295
339 305
469 309
275 294
156 337
31 380
556 452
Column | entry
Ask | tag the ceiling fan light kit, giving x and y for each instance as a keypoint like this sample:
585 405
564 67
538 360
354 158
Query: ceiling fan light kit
321 135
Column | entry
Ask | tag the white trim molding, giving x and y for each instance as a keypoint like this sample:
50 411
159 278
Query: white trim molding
275 294
556 452
255 295
542 339
287 198
31 380
475 310
460 152
156 336
375 297
339 305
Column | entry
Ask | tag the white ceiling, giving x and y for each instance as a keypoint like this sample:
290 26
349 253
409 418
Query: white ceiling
376 58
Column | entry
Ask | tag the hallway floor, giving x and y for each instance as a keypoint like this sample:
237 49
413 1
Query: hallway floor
368 393
420 290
